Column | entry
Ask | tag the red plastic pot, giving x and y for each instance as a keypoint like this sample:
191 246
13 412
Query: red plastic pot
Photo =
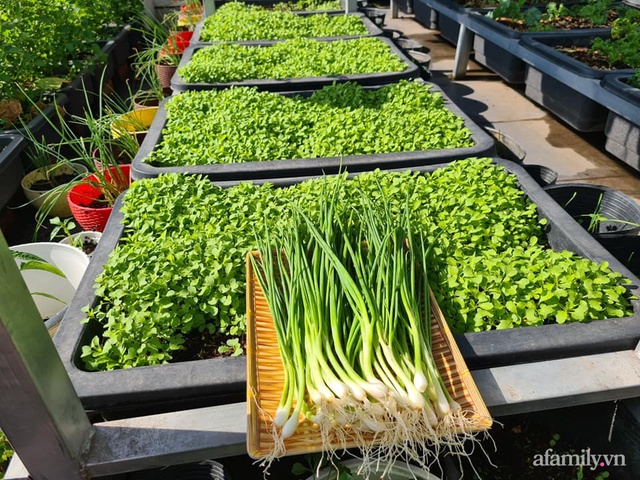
179 41
81 197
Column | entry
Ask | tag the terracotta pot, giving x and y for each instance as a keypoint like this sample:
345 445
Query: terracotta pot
82 196
145 98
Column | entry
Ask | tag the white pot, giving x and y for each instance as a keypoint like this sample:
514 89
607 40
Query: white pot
95 236
400 471
71 261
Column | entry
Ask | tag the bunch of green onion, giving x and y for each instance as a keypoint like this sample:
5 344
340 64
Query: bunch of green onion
349 296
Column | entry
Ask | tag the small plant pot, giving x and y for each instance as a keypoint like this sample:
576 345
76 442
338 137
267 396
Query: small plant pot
180 40
89 241
37 198
82 196
376 15
544 176
598 209
165 74
507 147
135 123
50 292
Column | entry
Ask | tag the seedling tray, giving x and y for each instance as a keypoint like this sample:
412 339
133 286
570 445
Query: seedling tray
146 390
484 145
372 28
301 83
265 379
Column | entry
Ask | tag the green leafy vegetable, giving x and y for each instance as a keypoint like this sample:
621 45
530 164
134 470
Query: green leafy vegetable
231 62
241 124
180 263
236 21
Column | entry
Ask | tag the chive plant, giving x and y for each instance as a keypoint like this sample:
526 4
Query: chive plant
349 296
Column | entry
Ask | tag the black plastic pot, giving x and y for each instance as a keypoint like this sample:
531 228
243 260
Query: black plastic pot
301 83
626 248
146 390
544 176
506 146
372 28
11 170
563 85
205 470
376 15
483 146
618 212
623 123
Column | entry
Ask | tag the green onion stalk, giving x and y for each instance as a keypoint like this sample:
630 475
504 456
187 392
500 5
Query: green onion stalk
349 294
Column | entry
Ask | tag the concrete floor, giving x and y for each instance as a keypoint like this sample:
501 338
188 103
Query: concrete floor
489 101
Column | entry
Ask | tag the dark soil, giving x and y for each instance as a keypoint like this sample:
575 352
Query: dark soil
99 202
89 245
54 181
565 23
200 346
591 59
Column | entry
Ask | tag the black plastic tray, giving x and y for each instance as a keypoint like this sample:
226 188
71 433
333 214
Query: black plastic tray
302 83
372 28
196 383
565 86
498 47
484 145
623 124
11 169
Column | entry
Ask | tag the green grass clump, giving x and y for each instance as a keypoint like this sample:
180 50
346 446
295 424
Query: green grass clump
231 62
236 21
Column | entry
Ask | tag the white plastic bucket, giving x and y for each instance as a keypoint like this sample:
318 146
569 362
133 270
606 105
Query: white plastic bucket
71 261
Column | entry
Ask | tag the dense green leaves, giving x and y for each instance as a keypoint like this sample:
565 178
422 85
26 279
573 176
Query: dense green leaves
237 21
621 50
244 125
180 264
231 62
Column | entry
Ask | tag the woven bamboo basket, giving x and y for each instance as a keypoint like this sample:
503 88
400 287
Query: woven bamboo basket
265 377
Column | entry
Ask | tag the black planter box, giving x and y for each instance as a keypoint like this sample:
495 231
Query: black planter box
196 383
405 6
623 123
498 48
11 170
483 146
302 83
372 28
565 86
450 15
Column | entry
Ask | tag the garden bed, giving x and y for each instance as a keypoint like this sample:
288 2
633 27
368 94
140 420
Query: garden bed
194 383
565 85
393 128
300 64
259 25
623 123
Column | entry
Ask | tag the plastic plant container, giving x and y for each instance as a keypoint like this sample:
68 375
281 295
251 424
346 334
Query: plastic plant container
601 210
301 83
483 146
498 47
11 170
371 27
568 88
623 123
223 380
